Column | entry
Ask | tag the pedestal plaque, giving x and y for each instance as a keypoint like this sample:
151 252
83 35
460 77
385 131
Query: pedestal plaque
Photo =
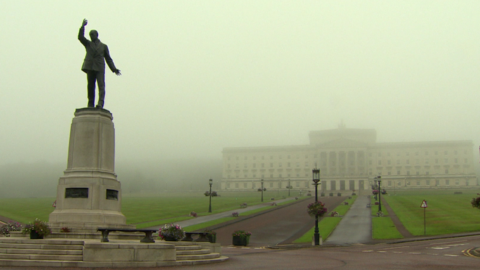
88 194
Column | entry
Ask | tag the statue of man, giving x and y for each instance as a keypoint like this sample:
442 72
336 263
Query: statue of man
94 65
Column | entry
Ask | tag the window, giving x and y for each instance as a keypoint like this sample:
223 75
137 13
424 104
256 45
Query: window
306 164
408 172
254 175
447 182
263 165
426 152
379 162
237 158
455 152
229 166
297 184
271 165
426 161
418 173
288 157
398 172
427 173
389 183
466 160
418 183
398 162
288 164
245 158
446 160
408 154
244 185
428 182
389 162
416 153
389 173
370 162
436 161
408 161
236 185
279 164
436 152
271 185
456 160
254 165
446 171
446 152
254 158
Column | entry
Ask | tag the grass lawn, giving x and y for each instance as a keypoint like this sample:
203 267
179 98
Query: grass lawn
342 209
144 211
374 208
383 228
325 228
446 213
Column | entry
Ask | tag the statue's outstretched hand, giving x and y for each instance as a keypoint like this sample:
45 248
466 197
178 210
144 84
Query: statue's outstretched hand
118 72
85 22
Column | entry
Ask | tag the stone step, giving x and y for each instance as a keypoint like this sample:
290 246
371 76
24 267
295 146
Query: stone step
201 261
40 251
193 252
41 241
39 246
41 257
45 263
198 257
195 247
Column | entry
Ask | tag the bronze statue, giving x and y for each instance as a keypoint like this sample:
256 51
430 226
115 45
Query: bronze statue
94 65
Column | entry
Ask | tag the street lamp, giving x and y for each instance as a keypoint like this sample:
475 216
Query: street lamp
376 187
379 194
210 205
289 187
262 188
316 180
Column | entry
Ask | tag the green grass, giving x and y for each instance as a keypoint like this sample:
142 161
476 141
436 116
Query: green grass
325 227
207 224
25 210
374 208
144 211
383 228
445 214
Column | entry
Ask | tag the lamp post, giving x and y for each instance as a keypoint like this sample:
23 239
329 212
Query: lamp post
210 205
376 187
262 189
379 194
289 187
316 180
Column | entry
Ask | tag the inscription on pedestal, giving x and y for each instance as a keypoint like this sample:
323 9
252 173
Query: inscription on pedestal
76 193
112 194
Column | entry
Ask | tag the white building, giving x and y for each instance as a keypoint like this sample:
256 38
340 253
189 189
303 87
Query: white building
349 159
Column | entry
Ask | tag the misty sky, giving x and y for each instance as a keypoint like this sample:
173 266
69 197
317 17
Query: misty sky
202 75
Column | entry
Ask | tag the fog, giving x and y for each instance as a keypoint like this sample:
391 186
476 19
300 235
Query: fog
199 76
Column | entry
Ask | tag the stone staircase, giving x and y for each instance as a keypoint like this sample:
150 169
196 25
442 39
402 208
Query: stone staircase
23 252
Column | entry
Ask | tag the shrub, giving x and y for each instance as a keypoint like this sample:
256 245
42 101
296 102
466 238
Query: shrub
65 230
10 227
243 205
193 214
274 204
476 202
171 231
339 194
38 226
241 233
334 214
235 214
214 194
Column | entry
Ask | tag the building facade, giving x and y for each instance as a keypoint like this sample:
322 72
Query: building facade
349 159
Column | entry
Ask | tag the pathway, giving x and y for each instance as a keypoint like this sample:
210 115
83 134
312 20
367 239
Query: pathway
396 221
355 227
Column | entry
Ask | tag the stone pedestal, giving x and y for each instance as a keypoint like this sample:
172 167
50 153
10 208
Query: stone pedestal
89 195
